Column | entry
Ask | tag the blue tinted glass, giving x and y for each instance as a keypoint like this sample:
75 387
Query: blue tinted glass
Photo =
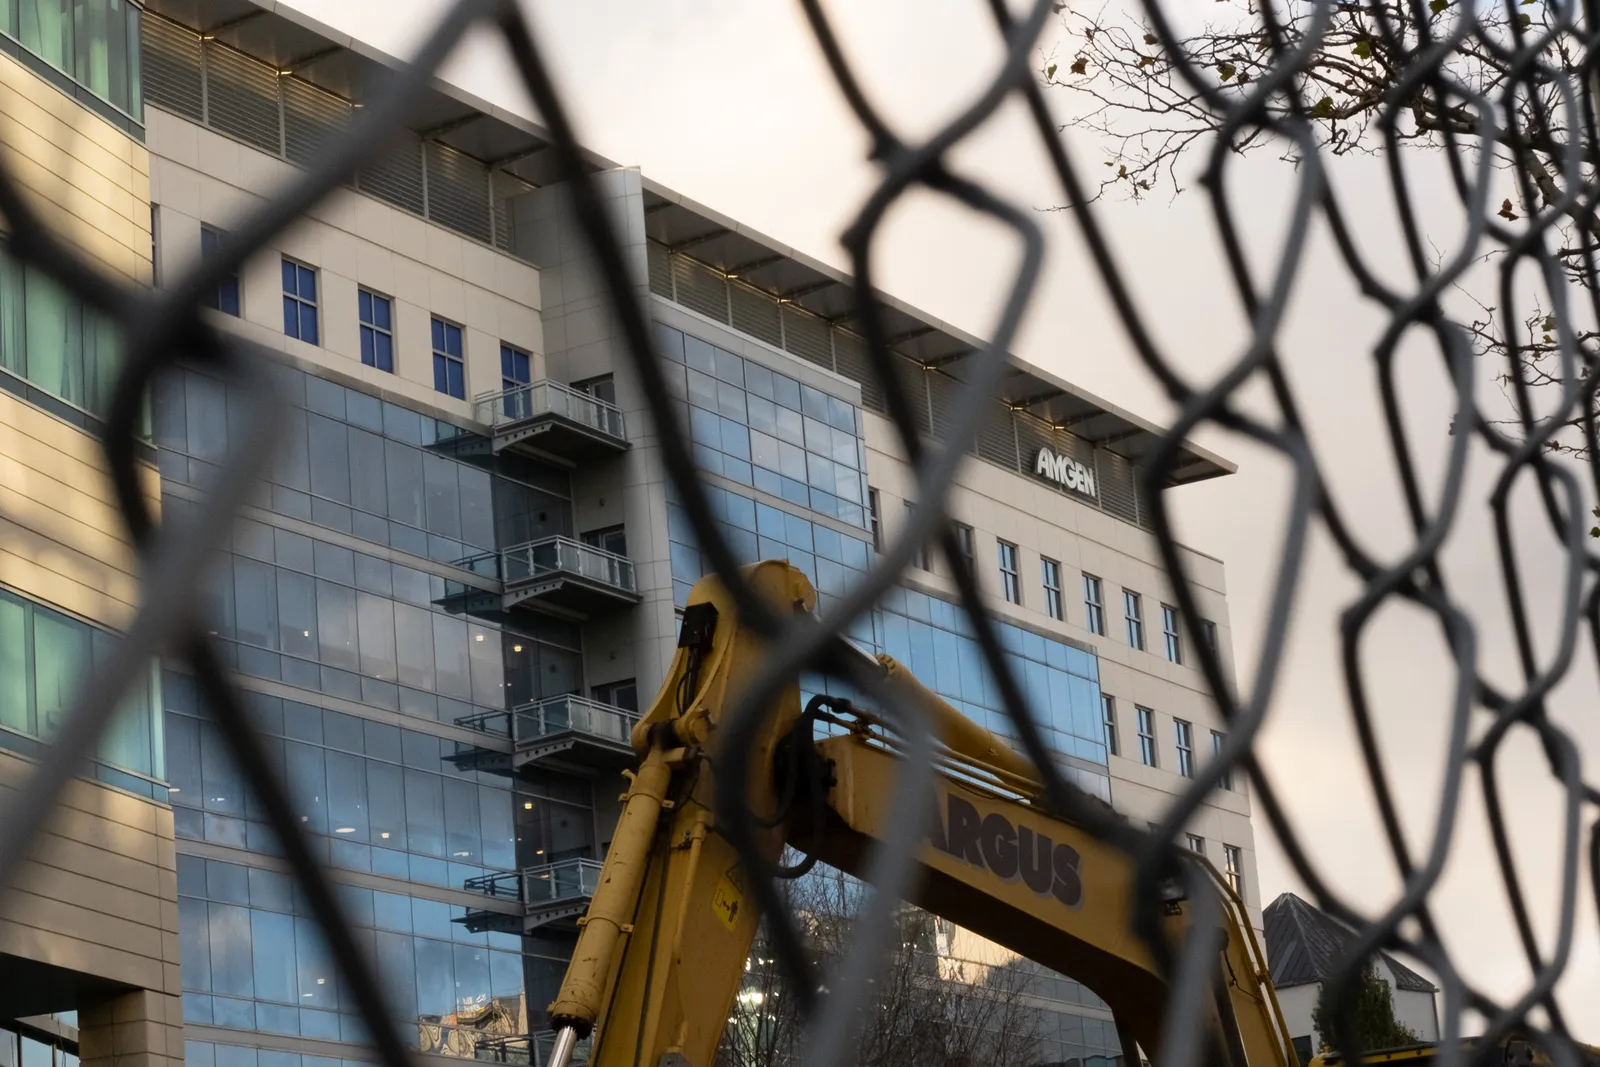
438 336
364 305
209 239
385 352
308 283
458 372
228 296
288 277
441 377
291 316
380 308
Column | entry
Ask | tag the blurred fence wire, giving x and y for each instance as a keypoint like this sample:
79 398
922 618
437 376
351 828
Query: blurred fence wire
165 327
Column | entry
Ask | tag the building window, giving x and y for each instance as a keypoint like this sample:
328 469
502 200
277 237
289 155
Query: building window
377 331
965 546
93 42
1208 633
225 297
516 367
873 520
155 245
603 388
1169 630
1010 578
1185 735
1217 740
300 301
1145 721
1094 605
1133 611
1196 843
449 366
623 694
1108 716
919 558
1233 867
1050 573
44 658
609 539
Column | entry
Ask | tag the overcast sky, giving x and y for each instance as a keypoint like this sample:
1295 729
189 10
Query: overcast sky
728 102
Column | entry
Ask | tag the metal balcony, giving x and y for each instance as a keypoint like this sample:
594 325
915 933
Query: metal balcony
554 896
526 1050
554 419
564 733
558 572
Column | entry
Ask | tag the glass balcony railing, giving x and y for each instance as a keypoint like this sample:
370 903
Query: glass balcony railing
563 555
526 1050
558 715
546 558
555 882
548 883
530 401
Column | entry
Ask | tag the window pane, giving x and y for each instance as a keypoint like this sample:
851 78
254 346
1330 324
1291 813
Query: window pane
60 656
336 626
375 616
368 476
413 629
13 665
424 813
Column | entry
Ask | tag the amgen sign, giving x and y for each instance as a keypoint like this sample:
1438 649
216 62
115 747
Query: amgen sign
1065 471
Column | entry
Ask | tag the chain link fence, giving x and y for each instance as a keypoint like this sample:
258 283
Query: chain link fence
1544 95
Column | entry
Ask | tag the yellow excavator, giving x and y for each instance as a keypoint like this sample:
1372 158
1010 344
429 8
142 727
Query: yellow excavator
661 953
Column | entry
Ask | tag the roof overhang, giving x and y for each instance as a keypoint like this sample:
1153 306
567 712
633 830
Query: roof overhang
340 64
736 250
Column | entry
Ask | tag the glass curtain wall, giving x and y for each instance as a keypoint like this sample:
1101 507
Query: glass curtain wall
334 588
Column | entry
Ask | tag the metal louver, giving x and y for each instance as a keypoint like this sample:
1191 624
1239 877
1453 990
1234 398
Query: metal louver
242 98
458 191
755 313
503 187
311 118
997 438
396 175
700 288
807 337
660 261
944 397
850 359
170 69
1114 479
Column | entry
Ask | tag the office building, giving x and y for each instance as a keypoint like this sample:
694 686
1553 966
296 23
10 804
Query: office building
463 574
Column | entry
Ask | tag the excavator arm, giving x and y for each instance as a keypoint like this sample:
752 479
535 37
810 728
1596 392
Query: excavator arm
662 950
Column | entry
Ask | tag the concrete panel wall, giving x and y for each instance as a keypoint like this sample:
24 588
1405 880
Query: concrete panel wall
61 538
90 921
200 177
88 180
99 895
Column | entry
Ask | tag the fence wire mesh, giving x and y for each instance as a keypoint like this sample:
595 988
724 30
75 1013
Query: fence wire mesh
1541 92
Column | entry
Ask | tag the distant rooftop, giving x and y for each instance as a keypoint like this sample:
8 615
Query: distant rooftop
1306 945
280 80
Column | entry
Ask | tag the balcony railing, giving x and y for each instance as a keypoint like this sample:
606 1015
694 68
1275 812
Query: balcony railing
526 1050
555 557
556 715
548 883
541 398
563 555
570 733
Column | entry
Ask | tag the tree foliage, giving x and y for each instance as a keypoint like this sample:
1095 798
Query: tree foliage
1373 1023
930 1010
1510 82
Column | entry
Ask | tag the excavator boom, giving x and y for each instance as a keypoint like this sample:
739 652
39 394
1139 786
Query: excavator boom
661 953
